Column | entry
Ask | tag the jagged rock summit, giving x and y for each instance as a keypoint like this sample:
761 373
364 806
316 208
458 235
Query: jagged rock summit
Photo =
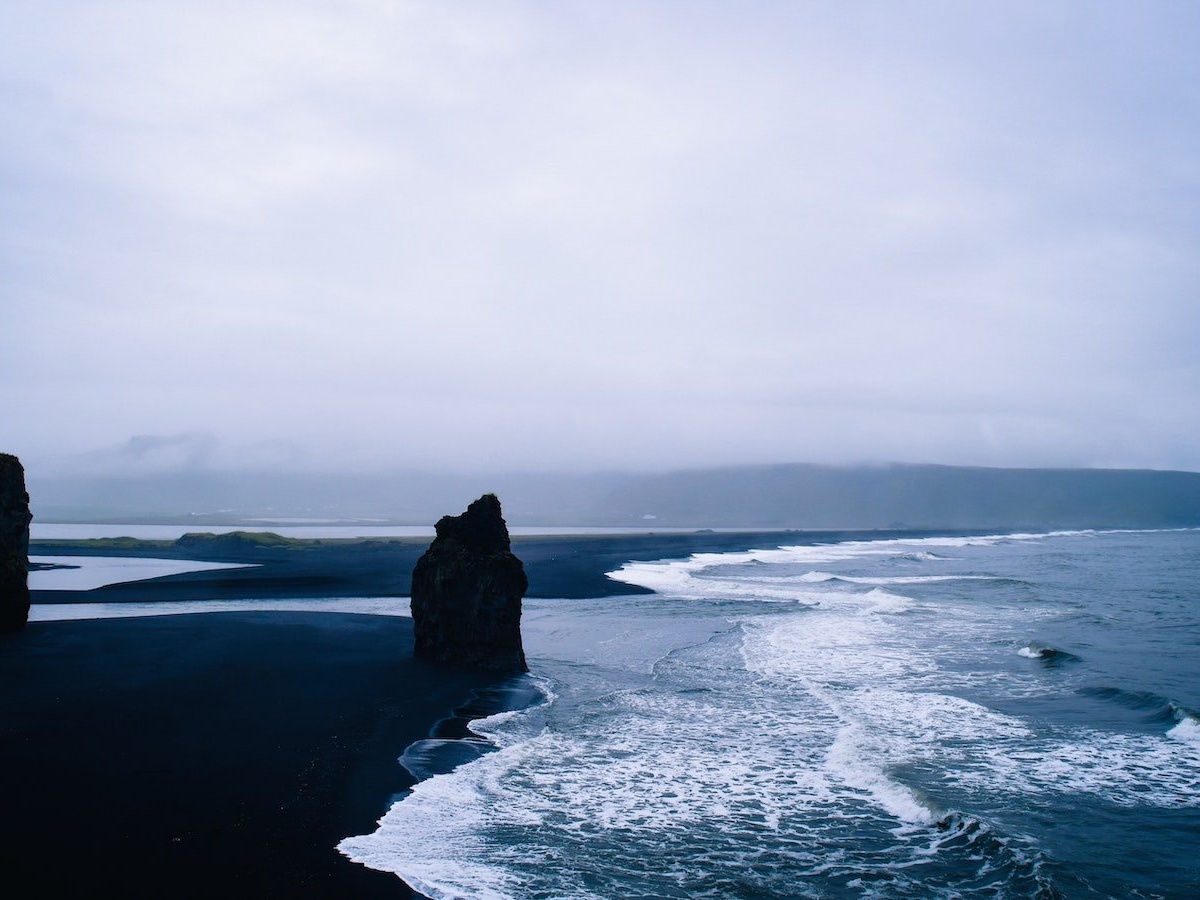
467 590
14 545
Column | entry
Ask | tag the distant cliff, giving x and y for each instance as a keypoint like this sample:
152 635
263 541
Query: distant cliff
14 545
467 590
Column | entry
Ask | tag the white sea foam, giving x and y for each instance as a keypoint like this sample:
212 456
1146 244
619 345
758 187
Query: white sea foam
678 579
854 759
857 668
820 746
1122 769
817 577
705 759
835 643
642 770
821 577
690 577
887 603
1187 731
911 579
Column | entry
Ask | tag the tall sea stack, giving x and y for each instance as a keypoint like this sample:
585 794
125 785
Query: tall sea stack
14 545
466 593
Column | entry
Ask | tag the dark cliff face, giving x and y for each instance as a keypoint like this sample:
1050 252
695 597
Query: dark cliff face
14 545
466 593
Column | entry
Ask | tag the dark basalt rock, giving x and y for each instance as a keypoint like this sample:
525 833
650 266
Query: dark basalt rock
466 593
14 545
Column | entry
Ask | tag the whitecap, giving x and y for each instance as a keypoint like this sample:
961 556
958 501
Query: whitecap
1123 769
708 575
883 602
1188 728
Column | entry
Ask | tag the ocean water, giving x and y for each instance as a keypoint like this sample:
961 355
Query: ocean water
1010 716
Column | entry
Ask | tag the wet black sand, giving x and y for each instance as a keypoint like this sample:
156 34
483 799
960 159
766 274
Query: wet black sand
226 754
563 566
208 755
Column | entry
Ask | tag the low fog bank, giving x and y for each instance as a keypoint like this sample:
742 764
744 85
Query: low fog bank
752 497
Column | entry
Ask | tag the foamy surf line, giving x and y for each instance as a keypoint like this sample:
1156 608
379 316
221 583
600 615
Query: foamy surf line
69 612
1188 729
690 577
892 747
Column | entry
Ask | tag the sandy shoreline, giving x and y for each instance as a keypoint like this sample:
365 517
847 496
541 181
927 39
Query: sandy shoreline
227 753
222 754
558 566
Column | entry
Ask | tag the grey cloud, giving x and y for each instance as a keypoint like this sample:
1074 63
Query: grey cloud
603 234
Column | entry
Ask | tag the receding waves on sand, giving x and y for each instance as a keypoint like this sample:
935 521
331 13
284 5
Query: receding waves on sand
905 718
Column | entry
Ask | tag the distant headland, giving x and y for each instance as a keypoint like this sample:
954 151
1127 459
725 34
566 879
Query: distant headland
786 496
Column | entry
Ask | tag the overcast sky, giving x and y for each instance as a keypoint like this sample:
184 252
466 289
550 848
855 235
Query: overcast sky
588 234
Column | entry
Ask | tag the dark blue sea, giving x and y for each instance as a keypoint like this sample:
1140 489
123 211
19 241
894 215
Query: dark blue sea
1008 716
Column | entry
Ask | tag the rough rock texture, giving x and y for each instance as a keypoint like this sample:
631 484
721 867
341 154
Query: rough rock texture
14 545
467 590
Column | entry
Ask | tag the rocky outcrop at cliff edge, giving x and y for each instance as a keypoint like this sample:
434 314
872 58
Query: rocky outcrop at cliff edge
14 545
466 593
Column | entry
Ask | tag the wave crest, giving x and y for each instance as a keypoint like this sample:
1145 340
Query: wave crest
1052 656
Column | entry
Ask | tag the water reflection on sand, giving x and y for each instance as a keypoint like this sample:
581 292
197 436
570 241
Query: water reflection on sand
63 612
86 573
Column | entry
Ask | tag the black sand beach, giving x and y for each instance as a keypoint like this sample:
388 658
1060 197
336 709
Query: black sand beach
562 566
208 755
226 754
